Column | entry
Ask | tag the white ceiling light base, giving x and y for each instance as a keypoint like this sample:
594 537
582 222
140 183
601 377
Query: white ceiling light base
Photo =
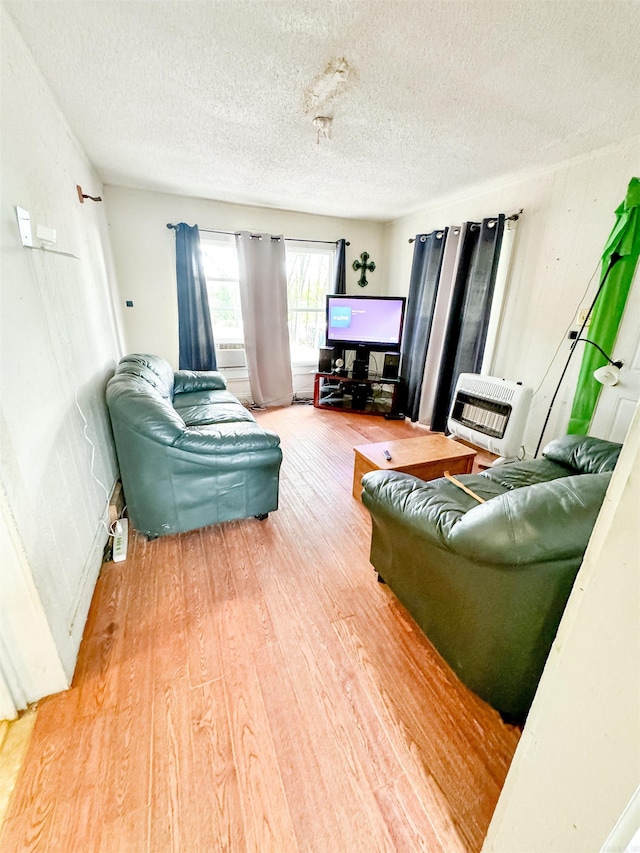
323 125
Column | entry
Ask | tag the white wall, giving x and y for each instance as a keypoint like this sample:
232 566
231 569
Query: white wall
144 252
30 666
568 215
578 762
59 342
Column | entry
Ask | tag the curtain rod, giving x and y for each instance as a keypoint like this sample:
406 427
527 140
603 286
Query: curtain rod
237 234
513 218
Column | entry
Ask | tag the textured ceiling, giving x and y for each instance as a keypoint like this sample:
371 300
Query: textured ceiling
211 99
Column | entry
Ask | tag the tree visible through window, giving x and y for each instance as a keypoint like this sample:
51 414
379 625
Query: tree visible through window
220 260
309 279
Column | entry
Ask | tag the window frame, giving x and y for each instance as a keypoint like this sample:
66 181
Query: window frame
230 351
311 247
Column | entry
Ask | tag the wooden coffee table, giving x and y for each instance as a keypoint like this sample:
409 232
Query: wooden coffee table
427 457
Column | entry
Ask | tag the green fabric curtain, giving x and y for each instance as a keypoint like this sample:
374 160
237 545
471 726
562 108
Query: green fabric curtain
607 312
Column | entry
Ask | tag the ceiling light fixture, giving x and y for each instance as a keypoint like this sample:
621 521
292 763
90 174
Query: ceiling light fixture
323 125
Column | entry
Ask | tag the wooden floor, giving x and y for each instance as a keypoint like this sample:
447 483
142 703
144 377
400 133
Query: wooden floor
251 686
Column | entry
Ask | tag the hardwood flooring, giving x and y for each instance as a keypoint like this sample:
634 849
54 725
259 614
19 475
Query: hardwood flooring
250 686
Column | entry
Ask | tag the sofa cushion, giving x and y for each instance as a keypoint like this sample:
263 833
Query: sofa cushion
139 371
226 438
514 475
139 407
198 408
211 397
154 370
214 413
583 453
185 381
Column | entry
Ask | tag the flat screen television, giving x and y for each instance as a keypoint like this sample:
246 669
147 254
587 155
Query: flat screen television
374 322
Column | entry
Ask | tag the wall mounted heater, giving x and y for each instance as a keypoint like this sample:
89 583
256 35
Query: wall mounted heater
490 413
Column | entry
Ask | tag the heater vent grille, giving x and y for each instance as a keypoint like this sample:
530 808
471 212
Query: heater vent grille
490 413
492 389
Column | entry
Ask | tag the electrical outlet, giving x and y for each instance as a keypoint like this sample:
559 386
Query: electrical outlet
582 316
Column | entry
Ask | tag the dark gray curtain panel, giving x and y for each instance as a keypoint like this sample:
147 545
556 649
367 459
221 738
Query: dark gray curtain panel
197 349
423 287
340 274
470 310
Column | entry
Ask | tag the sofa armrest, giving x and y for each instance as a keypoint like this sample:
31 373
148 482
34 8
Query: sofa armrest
234 437
430 509
583 453
185 381
543 522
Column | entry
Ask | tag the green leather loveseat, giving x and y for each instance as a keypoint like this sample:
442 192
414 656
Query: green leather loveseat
190 454
488 582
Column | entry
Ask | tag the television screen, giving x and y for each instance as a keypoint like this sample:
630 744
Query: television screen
371 321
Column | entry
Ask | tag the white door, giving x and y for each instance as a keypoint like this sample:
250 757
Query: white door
617 403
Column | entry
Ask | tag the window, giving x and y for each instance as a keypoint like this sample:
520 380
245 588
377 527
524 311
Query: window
220 261
309 279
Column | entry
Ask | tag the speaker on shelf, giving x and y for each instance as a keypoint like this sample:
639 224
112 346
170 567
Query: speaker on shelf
360 369
391 367
325 360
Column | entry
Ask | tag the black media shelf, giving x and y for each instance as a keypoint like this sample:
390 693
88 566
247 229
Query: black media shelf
373 395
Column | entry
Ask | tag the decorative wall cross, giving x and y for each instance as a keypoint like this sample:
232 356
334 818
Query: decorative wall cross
364 264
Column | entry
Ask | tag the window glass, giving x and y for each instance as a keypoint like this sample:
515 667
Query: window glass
220 261
309 279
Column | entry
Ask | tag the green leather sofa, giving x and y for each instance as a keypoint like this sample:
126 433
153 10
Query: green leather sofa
488 583
190 454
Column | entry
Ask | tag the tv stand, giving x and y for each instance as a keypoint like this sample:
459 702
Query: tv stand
372 395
